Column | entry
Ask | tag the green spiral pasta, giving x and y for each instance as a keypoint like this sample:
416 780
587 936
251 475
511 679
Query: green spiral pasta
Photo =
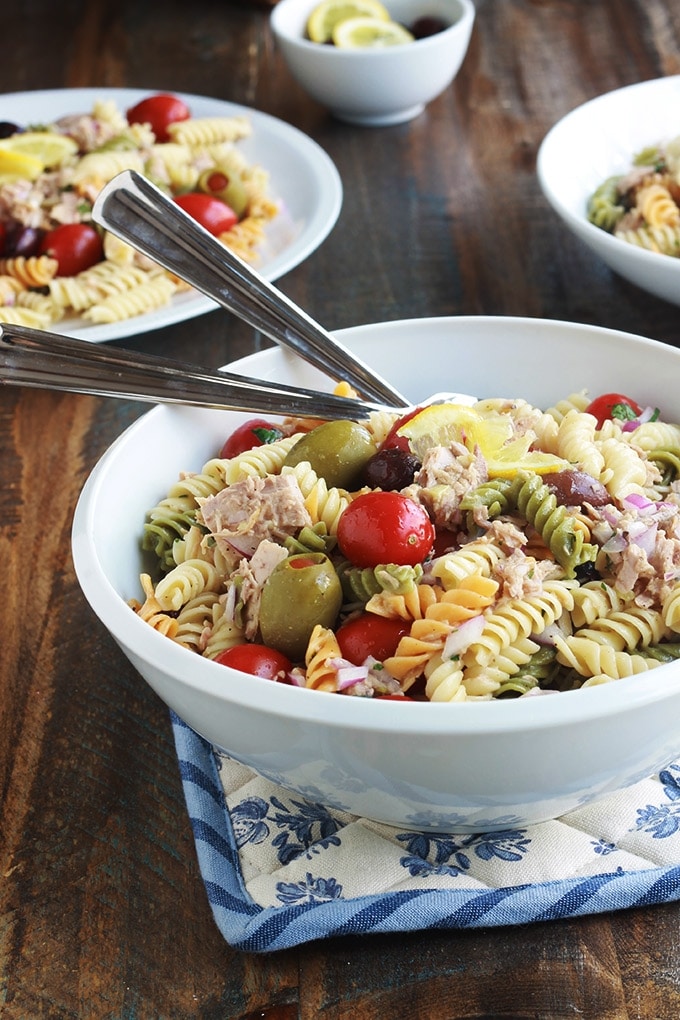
494 495
552 521
604 206
360 585
167 522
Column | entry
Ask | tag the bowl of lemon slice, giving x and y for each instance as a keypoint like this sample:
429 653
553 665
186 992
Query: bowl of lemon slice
373 63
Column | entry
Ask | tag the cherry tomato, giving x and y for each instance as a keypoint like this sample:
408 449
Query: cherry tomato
613 405
212 213
392 441
258 660
254 432
3 237
385 527
369 634
159 111
75 246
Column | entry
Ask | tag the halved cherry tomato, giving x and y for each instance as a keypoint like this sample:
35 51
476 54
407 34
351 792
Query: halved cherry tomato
212 213
368 635
75 246
613 406
159 111
254 432
385 527
258 660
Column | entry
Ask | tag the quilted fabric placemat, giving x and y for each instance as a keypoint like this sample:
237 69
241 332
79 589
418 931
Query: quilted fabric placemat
280 871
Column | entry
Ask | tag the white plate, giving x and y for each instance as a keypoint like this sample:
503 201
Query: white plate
598 140
301 175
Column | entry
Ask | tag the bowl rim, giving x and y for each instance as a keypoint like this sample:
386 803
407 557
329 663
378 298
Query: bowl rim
579 222
461 26
295 704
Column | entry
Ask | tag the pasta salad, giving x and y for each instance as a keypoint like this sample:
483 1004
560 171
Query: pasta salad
457 553
55 264
642 206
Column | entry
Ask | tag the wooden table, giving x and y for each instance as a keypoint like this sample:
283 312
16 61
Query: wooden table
103 911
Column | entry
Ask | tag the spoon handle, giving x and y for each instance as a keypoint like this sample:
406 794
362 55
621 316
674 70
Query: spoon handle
43 360
134 209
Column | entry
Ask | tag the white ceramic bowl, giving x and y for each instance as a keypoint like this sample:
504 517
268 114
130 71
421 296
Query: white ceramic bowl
456 767
594 142
376 86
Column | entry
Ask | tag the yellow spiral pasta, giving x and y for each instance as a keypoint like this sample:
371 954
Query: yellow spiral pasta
444 680
224 632
623 471
477 557
409 605
150 610
31 271
146 297
194 620
324 504
657 206
513 619
260 461
202 131
185 582
322 646
576 442
590 658
626 630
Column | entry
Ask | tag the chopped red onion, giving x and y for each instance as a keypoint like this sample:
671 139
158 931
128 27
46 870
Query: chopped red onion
461 638
617 543
636 502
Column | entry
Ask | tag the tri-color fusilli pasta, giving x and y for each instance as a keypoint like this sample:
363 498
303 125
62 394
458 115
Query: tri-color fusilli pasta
555 563
102 143
642 207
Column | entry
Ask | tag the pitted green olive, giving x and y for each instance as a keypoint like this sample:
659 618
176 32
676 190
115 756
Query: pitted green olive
227 186
337 450
300 592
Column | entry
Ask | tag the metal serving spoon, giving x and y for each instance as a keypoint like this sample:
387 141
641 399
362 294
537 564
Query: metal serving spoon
43 360
134 209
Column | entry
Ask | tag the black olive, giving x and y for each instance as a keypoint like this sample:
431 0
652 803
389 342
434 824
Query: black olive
390 469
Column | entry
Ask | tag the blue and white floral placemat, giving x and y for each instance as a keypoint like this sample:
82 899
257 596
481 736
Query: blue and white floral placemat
280 871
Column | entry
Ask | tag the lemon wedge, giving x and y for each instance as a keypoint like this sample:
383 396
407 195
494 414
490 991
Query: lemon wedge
329 13
45 148
493 434
15 166
370 33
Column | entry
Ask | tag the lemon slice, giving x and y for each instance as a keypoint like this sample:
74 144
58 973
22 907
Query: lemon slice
370 33
504 453
45 147
15 166
329 13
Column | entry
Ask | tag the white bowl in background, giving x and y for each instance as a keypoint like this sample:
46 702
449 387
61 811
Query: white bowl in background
455 767
598 140
376 87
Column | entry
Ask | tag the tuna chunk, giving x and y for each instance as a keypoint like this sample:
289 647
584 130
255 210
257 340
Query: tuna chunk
243 514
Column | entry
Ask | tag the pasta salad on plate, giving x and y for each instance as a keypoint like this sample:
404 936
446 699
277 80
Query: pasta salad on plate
55 263
642 207
266 189
461 552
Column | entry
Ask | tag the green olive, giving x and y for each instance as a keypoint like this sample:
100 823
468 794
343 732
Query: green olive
300 592
337 450
227 186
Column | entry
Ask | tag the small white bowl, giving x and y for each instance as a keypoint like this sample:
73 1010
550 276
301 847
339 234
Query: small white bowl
456 767
376 87
598 140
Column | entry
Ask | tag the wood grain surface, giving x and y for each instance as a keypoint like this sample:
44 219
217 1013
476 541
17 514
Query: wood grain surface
102 908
